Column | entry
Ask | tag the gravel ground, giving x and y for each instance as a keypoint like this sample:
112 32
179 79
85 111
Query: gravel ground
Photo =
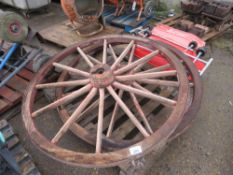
206 148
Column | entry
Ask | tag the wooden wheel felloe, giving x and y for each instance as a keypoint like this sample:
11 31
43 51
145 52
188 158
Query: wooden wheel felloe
108 77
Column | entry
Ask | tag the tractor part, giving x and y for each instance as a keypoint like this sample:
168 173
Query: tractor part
199 30
192 45
204 28
211 13
180 40
13 27
219 10
84 15
105 77
201 52
185 25
194 7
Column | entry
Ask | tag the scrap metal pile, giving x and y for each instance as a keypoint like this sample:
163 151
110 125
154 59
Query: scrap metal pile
85 16
206 14
123 105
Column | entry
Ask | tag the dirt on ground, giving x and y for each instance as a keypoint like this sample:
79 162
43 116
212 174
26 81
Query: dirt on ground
205 149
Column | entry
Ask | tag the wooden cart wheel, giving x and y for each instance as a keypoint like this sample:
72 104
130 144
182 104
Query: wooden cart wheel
190 115
110 76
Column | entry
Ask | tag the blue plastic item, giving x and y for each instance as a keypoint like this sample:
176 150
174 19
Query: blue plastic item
2 138
9 68
127 21
5 58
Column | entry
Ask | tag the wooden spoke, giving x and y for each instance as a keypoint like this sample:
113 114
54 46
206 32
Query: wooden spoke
63 84
160 82
91 107
150 95
100 121
71 69
94 59
105 52
128 112
136 63
131 55
74 116
140 111
114 114
120 94
86 58
122 56
158 69
191 85
113 52
135 84
139 67
146 75
63 100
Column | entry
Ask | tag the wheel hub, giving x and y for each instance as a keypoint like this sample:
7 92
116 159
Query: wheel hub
101 76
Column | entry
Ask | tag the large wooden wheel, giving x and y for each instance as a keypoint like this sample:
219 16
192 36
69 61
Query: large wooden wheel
92 85
89 136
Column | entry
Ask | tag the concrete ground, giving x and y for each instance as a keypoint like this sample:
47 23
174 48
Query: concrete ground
205 149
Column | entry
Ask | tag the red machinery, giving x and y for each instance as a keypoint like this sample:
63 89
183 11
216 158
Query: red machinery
187 43
145 7
119 10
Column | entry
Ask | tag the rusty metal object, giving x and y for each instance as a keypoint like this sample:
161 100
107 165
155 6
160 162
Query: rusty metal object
110 158
216 10
84 15
146 7
119 9
83 11
185 25
208 13
205 29
193 6
219 10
